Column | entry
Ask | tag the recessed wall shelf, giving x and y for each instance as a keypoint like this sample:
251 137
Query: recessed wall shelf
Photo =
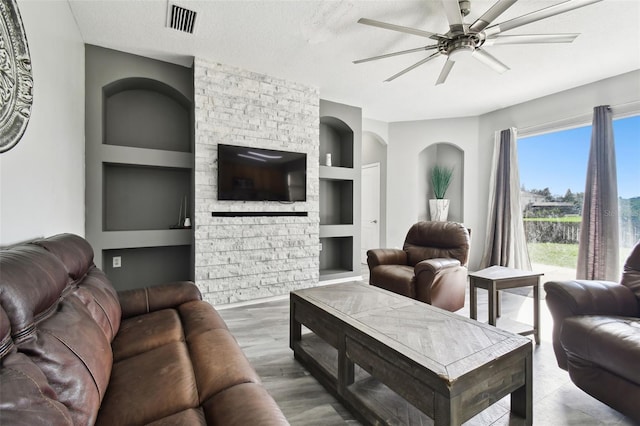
340 136
139 167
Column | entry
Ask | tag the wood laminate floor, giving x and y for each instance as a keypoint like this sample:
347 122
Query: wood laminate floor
262 330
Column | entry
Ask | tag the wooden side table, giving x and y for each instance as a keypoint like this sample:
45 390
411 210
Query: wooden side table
496 278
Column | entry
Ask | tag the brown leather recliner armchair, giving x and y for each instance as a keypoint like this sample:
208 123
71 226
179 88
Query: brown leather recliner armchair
431 267
596 335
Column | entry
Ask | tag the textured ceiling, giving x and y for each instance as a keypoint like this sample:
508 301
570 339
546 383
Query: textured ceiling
315 42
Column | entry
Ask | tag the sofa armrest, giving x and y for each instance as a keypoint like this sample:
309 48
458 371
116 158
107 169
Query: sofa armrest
441 282
149 299
435 265
583 297
376 257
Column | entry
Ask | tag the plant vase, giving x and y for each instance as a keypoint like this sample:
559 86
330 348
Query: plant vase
439 209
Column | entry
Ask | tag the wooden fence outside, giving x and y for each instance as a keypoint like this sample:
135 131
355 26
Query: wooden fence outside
569 232
552 232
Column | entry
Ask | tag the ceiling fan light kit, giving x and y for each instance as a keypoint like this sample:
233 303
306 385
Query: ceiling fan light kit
468 40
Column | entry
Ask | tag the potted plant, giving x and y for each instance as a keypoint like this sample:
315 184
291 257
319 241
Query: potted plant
440 180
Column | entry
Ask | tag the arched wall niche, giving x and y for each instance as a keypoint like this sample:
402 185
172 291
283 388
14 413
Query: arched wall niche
444 154
336 138
146 113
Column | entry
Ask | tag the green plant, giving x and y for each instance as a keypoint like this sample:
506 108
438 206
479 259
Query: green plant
440 180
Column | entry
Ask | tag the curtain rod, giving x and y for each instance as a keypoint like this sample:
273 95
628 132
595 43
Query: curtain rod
619 111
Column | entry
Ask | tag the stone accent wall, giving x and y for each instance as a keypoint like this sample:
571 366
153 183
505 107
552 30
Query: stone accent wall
245 258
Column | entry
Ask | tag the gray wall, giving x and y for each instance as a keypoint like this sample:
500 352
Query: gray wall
42 177
139 166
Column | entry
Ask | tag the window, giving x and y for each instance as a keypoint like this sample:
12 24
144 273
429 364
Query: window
553 175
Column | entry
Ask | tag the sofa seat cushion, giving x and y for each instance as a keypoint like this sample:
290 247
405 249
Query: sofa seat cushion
198 317
396 278
612 343
146 332
181 357
245 404
150 386
219 363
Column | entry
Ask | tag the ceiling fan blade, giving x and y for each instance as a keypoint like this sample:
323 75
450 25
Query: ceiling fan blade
530 39
446 69
490 15
403 52
417 64
454 17
538 15
401 29
489 60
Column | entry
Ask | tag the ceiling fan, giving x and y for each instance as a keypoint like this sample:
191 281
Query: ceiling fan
470 39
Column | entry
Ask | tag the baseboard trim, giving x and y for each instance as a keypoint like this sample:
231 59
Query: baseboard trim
282 296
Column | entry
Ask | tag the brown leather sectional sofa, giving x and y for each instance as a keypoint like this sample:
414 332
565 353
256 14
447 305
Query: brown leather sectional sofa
73 351
596 335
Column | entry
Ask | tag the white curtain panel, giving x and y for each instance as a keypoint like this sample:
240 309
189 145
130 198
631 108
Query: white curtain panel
506 243
598 253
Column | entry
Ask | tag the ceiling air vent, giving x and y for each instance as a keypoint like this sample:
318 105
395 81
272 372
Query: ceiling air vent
181 19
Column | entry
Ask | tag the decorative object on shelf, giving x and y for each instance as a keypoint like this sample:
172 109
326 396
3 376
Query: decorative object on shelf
440 179
328 160
16 80
183 220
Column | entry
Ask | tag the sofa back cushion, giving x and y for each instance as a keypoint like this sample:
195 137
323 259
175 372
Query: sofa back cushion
432 240
63 314
75 253
20 377
31 283
89 283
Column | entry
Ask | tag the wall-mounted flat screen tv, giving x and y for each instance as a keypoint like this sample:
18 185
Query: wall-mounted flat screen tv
256 174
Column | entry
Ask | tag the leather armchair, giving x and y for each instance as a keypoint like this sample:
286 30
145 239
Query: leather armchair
596 335
431 267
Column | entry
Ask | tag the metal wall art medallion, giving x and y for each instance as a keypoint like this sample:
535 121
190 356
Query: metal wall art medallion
16 80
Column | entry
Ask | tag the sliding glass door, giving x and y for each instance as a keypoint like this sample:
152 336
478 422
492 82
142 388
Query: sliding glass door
552 176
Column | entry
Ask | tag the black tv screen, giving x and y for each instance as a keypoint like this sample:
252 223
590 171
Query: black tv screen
255 174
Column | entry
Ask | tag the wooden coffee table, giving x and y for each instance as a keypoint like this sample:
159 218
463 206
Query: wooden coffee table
395 360
496 278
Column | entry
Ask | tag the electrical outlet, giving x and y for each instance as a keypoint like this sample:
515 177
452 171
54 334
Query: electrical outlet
117 261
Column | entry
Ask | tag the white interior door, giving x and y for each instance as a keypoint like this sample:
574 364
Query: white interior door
370 216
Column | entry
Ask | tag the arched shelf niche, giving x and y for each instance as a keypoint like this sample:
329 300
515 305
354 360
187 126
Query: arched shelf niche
443 154
146 113
336 138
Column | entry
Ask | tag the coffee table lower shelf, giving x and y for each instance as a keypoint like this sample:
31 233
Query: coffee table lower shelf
366 394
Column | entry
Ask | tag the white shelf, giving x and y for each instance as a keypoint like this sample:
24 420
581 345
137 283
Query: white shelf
332 231
337 173
145 157
136 239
